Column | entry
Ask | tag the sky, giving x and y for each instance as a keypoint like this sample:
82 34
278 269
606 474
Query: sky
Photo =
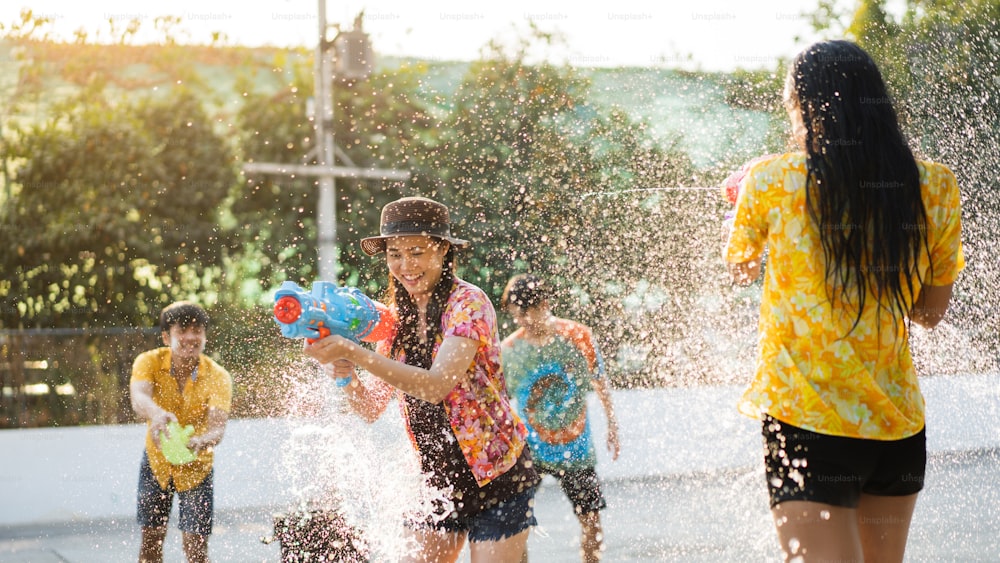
691 34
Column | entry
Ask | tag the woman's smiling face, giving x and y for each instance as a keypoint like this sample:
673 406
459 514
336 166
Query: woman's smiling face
416 262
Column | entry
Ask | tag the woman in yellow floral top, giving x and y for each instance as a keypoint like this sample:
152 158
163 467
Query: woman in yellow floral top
861 240
442 361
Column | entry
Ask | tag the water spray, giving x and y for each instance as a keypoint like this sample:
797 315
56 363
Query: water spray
657 189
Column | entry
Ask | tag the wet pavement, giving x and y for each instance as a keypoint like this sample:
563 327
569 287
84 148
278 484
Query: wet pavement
688 487
721 516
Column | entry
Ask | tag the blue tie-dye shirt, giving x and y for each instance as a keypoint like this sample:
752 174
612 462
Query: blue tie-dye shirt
549 384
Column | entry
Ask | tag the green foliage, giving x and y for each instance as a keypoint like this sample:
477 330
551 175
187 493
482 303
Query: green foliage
759 90
953 52
508 162
115 207
539 180
275 215
377 124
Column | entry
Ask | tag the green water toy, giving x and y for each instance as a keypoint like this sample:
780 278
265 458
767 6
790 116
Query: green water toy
175 448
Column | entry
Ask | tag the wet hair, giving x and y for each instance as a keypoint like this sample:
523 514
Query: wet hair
863 181
184 314
407 338
524 291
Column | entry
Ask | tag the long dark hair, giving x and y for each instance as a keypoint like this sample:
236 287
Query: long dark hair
863 182
407 338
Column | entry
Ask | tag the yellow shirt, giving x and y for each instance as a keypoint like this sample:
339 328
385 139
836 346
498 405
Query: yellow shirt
862 386
212 387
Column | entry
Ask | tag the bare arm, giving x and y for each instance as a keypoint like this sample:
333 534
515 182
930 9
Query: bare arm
451 365
367 399
217 419
141 394
745 273
931 305
601 388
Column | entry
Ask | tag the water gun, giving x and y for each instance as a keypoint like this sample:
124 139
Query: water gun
329 309
732 185
174 447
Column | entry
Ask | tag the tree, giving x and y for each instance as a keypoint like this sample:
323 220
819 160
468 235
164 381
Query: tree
115 209
954 56
540 179
377 123
508 162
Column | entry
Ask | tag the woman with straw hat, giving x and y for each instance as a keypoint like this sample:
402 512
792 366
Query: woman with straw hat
442 361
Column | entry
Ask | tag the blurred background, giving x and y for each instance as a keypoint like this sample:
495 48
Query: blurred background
148 157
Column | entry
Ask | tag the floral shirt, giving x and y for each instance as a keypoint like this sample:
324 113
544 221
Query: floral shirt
490 434
807 374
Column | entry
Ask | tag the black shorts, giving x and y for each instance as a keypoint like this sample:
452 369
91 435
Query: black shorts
583 489
804 465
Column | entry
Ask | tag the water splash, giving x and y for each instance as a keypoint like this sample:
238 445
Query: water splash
366 473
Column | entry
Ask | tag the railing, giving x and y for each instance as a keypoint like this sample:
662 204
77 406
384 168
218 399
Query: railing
68 377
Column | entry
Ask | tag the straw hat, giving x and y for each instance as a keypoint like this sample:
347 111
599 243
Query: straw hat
412 216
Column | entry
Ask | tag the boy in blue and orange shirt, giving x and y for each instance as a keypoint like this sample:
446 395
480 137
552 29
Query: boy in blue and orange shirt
550 365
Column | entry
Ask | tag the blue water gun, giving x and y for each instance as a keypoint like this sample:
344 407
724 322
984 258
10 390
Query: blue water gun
330 309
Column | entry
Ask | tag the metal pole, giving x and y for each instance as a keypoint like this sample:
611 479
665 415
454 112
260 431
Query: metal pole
327 206
326 170
335 171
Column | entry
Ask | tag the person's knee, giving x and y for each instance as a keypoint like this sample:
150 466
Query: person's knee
154 534
151 547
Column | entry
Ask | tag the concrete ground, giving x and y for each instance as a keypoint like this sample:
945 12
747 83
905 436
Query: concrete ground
688 486
714 517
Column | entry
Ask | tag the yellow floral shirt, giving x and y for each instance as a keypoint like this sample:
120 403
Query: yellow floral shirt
807 375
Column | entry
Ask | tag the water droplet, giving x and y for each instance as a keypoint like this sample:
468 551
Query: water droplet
794 545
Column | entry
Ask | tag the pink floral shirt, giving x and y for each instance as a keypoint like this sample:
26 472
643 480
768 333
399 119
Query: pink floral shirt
489 433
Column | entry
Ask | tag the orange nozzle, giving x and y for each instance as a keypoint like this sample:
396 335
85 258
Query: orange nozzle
287 309
384 327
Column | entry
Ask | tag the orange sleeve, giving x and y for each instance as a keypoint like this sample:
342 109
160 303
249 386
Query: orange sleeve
583 339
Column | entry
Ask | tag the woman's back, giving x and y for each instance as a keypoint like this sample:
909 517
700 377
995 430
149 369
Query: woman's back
823 366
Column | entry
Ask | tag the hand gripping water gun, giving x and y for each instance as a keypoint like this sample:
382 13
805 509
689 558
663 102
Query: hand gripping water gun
329 309
732 185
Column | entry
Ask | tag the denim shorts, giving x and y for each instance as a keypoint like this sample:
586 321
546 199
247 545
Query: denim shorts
505 520
196 506
836 470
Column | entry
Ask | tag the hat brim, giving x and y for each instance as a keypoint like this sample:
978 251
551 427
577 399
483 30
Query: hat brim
375 245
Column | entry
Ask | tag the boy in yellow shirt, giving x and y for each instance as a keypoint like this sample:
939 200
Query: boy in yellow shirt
179 384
